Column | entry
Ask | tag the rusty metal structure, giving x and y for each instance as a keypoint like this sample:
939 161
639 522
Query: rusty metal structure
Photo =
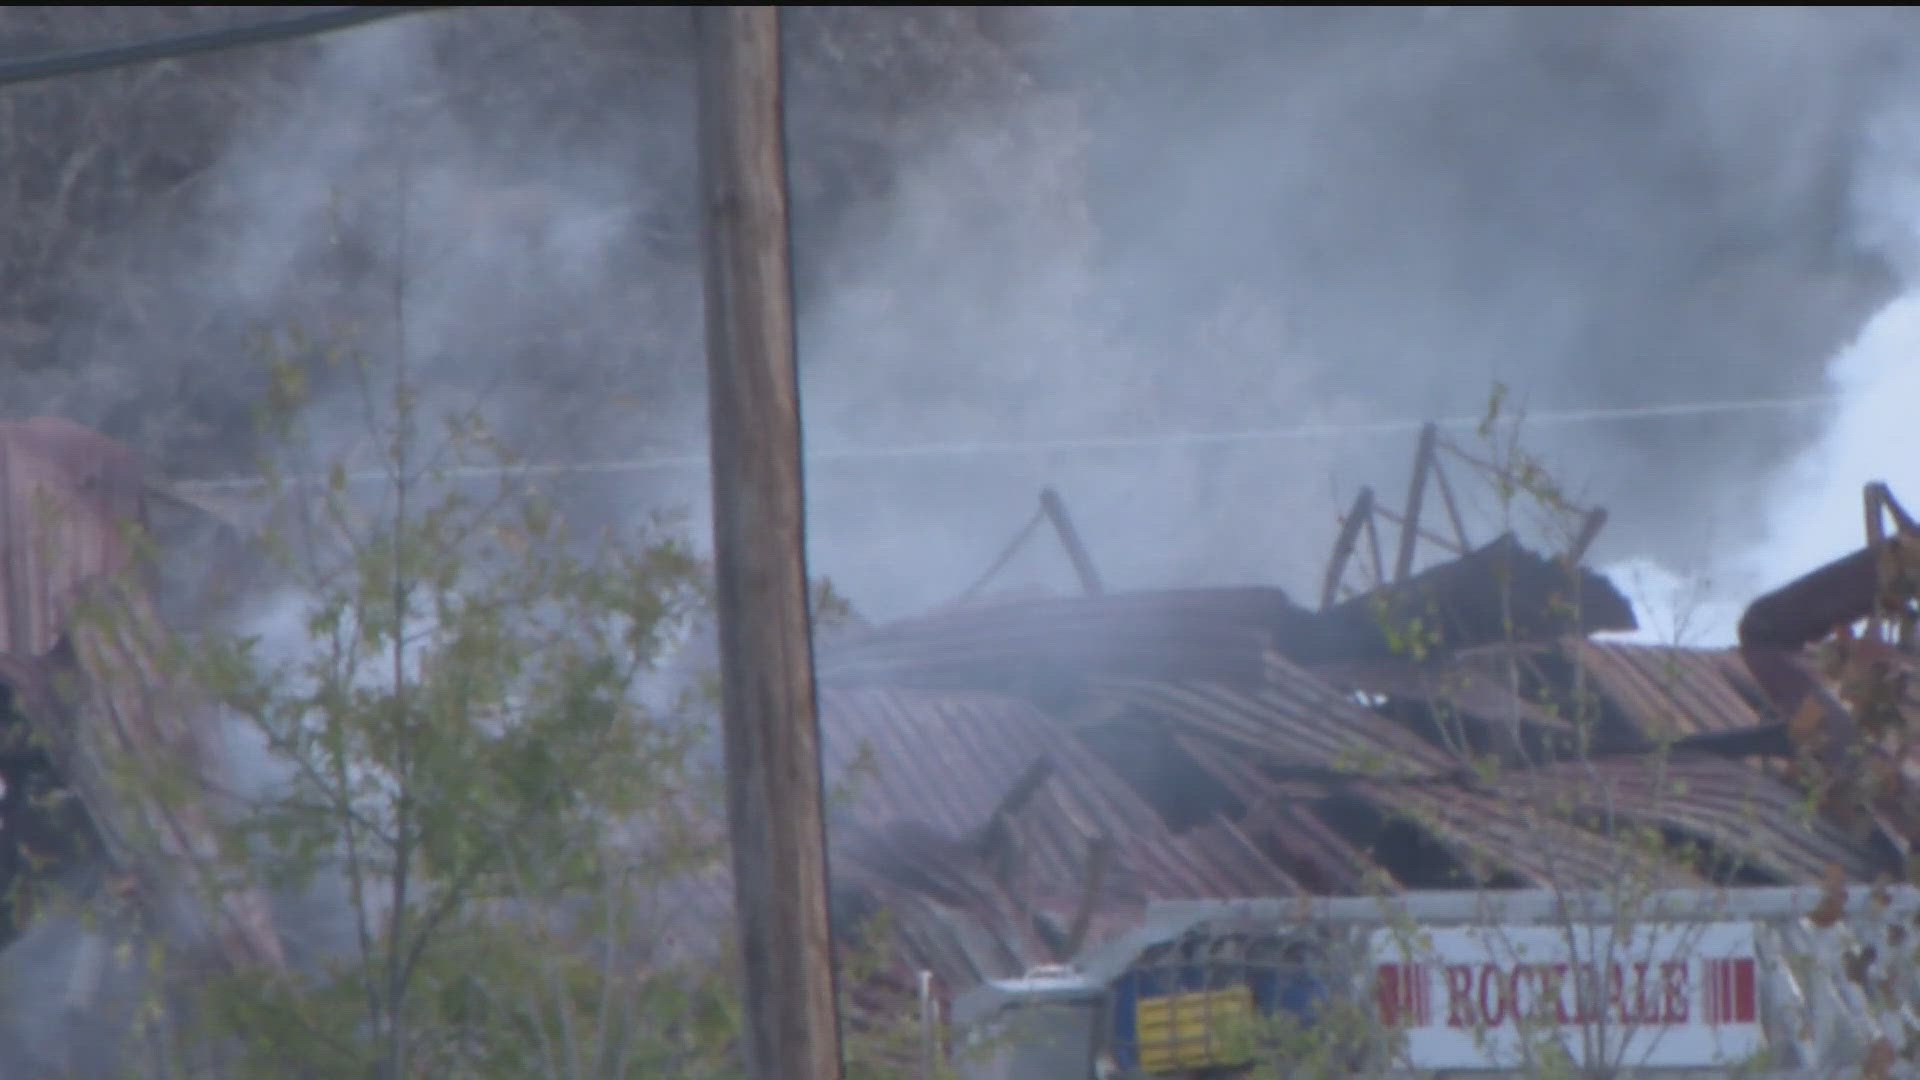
84 693
1026 777
1030 775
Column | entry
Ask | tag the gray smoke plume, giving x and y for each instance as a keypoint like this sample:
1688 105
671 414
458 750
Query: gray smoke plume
1813 503
1227 220
1077 228
1056 226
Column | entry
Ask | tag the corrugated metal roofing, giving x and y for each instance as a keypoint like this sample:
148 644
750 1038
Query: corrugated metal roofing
72 503
1257 728
1277 817
1740 810
947 759
1672 692
1197 633
1296 719
1178 725
1504 830
68 499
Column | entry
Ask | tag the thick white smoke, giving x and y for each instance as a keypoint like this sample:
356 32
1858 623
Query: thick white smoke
1141 221
1302 218
1813 505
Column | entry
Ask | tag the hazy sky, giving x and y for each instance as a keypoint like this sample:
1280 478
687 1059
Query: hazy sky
1130 222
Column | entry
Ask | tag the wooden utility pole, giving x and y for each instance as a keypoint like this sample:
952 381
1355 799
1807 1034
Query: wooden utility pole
766 647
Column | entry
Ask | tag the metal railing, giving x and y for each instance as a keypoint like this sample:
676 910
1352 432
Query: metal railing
1203 987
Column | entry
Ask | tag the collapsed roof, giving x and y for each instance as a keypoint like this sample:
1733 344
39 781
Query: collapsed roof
1024 776
84 694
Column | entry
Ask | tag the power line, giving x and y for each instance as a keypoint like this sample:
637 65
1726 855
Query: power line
1150 440
14 72
75 63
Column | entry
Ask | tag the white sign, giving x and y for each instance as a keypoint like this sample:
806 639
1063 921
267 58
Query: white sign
1679 995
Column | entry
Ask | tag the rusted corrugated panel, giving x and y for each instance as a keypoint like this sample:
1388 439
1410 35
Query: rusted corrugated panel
1191 633
68 498
1212 860
109 713
1294 719
1305 722
1469 687
948 759
1509 830
1669 692
1467 708
1276 819
1499 592
1497 828
71 502
1086 800
1738 809
957 944
942 758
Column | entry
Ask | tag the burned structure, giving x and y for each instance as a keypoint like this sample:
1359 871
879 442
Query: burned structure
1027 775
82 694
1021 778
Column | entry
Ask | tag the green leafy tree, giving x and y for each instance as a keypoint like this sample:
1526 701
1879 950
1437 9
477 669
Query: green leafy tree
471 748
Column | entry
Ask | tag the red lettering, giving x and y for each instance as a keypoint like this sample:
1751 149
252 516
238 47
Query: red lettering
1631 993
1493 999
1582 984
1556 991
1386 979
1673 983
1744 1005
1523 993
1460 995
1617 994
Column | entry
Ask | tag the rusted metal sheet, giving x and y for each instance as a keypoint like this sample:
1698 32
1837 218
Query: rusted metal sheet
1776 629
1231 743
1277 818
1670 693
1739 810
135 744
1471 705
1296 719
1505 830
1305 722
934 890
1213 860
70 500
1500 592
1497 591
947 759
1193 633
78 643
941 758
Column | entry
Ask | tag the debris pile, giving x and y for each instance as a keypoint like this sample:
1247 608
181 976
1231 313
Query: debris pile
1025 776
1022 777
84 695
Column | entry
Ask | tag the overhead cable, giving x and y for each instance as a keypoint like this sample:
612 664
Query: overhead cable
14 72
1144 441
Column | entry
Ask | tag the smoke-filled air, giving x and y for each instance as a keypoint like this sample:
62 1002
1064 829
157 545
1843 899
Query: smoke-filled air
1066 248
1203 272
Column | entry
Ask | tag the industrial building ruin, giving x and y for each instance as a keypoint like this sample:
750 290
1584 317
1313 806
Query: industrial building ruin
83 694
1028 781
1031 777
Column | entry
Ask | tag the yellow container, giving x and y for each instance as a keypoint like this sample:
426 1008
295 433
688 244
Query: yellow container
1196 1030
